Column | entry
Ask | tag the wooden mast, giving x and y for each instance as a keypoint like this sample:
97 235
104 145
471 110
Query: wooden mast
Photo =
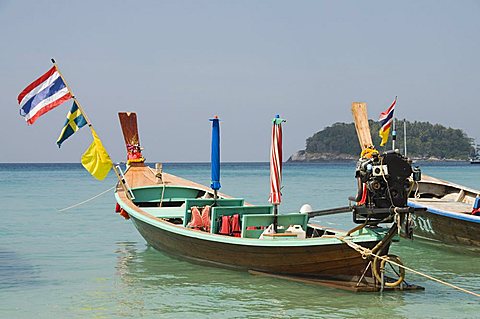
360 117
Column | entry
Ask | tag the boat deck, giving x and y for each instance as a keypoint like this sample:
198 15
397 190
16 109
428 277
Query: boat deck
139 175
443 205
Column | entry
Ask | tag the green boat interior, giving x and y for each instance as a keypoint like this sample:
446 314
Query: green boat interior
174 204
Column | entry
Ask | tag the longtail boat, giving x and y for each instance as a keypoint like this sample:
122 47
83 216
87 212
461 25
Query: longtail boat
451 214
197 223
444 212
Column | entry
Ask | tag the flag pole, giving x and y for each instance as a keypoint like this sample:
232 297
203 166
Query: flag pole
405 135
394 131
83 113
71 93
394 134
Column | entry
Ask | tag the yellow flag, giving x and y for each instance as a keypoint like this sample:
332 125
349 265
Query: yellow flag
96 159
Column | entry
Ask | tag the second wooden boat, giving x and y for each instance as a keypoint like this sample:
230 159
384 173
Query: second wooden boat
447 217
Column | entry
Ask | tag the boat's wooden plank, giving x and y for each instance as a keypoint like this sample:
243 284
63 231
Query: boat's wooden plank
128 122
360 118
165 212
344 285
468 191
138 176
451 206
352 285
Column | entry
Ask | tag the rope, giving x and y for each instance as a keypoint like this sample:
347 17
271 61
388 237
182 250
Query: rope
86 201
365 252
163 185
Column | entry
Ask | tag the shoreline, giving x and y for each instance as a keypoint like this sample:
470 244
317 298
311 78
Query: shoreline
304 157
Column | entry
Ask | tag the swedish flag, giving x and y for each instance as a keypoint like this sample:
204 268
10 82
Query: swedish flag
75 120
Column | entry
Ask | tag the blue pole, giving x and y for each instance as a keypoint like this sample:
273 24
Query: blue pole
215 158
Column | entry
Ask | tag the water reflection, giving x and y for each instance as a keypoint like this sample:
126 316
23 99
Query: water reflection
16 272
157 281
450 264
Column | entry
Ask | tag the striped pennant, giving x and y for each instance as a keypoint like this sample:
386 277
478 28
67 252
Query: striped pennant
75 120
276 162
43 95
386 119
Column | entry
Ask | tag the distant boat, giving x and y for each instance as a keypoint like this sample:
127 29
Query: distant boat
476 157
448 218
475 161
161 207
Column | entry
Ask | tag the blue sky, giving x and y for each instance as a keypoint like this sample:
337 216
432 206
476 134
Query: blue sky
178 63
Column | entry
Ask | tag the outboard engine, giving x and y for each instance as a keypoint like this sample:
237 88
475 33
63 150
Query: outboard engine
384 182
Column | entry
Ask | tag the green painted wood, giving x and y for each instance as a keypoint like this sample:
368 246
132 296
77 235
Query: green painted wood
252 233
264 220
293 219
151 194
218 212
201 202
165 212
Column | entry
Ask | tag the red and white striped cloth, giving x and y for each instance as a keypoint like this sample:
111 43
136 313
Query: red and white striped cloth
276 162
43 95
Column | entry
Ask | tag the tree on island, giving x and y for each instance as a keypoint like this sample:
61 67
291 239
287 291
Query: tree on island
424 140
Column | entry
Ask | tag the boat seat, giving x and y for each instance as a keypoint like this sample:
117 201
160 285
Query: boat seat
218 212
264 220
153 194
200 202
165 212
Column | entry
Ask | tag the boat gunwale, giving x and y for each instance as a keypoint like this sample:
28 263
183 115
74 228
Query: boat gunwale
427 179
455 215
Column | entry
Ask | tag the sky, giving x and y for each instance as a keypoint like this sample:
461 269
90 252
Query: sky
179 63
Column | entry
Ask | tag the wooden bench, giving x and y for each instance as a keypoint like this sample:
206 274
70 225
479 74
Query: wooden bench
165 212
200 202
264 220
154 194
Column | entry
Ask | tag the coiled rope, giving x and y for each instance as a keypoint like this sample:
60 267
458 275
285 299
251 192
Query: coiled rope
365 252
86 201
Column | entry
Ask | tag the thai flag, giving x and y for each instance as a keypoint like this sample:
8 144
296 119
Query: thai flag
43 95
386 119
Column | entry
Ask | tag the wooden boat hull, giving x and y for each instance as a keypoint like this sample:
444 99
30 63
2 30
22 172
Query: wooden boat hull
448 217
446 227
326 261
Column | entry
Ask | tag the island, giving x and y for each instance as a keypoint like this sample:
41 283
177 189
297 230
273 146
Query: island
425 141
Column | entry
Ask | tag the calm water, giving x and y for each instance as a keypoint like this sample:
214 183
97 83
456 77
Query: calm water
88 262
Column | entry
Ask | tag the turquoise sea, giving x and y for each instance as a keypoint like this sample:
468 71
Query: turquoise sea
88 262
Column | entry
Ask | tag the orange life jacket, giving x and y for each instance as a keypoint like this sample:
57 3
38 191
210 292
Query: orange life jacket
196 221
124 214
206 218
236 230
225 227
